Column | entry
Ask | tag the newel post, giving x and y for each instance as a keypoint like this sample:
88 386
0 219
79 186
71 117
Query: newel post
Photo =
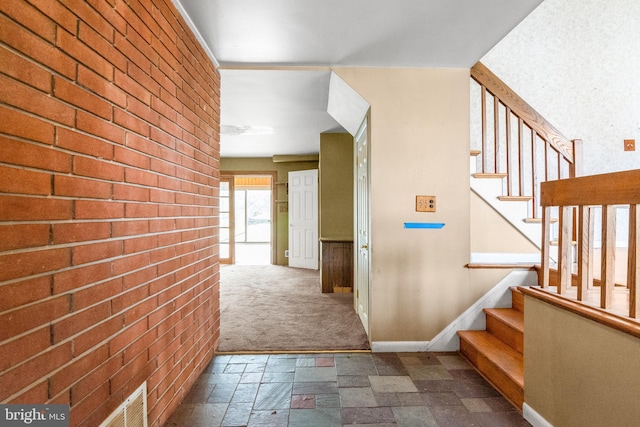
576 168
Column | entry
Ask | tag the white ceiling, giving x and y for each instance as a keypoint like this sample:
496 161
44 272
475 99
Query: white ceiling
271 103
267 112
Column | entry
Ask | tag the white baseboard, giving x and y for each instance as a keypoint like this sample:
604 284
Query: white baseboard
534 418
399 346
473 318
504 258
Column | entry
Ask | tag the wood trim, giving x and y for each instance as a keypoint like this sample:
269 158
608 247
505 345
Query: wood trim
489 175
337 265
288 158
481 74
539 220
545 150
608 191
633 266
617 188
508 149
232 216
608 266
274 202
576 168
483 97
554 277
592 313
505 266
496 134
521 162
546 232
564 247
515 198
585 251
534 174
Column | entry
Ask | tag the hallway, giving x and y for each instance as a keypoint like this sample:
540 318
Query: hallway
282 309
336 389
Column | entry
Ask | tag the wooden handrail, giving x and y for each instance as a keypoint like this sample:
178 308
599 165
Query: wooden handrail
519 107
608 191
618 188
518 143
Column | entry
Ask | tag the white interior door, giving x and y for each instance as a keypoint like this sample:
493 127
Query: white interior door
362 267
303 219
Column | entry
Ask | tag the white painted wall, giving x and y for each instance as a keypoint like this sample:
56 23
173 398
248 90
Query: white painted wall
577 63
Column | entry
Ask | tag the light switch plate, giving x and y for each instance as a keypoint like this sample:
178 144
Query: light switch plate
425 203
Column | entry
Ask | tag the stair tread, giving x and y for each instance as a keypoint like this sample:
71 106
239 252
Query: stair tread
489 175
538 220
500 354
509 316
513 266
515 198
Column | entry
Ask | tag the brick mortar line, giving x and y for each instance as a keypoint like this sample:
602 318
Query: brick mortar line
72 245
72 291
106 340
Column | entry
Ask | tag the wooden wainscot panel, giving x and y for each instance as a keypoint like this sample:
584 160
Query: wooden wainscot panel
336 272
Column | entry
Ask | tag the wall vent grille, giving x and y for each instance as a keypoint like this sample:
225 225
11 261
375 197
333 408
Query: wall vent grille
132 412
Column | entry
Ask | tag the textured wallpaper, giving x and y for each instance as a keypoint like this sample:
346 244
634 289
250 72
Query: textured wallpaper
578 63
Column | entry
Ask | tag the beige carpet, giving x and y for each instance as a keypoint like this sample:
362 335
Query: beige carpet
276 308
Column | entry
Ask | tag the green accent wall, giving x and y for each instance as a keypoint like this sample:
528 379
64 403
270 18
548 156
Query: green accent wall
336 186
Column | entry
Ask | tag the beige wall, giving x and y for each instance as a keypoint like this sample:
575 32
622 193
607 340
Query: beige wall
336 186
419 145
582 373
282 169
490 232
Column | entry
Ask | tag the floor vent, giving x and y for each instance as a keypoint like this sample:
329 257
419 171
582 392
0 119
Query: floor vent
132 412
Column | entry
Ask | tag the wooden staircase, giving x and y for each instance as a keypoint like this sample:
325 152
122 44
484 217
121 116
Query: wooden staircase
515 149
496 352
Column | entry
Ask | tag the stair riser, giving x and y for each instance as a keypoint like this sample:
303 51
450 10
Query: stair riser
510 336
511 390
517 300
497 377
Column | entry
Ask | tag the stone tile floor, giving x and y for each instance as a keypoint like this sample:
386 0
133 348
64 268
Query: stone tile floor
336 389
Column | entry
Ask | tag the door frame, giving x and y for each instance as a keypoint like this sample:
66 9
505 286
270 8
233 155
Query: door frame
232 216
366 122
274 219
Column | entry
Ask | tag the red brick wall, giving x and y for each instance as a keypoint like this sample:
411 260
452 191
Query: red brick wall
109 167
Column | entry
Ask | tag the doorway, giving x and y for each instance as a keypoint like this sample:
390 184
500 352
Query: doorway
362 226
246 219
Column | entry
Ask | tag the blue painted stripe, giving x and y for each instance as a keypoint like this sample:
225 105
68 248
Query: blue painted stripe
423 224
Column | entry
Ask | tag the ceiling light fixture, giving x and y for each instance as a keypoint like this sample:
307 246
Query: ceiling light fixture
233 130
